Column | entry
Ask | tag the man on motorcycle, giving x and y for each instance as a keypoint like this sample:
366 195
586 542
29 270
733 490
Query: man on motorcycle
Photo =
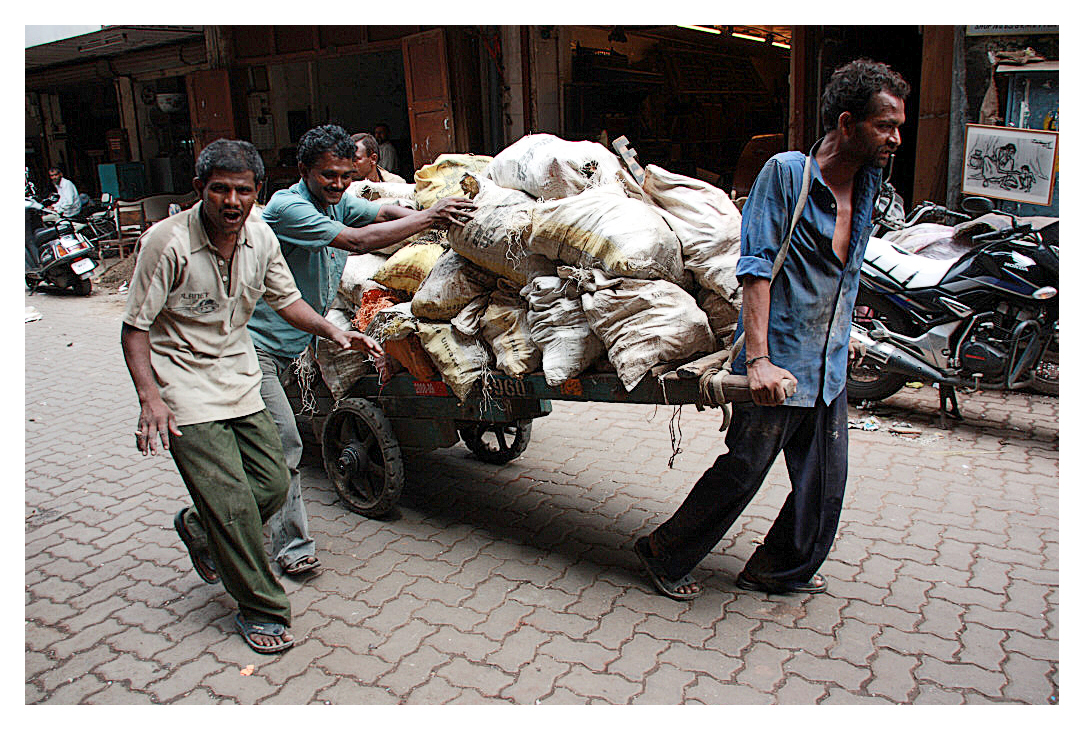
798 329
68 205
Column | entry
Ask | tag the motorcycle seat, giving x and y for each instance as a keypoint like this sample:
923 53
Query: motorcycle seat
45 235
909 270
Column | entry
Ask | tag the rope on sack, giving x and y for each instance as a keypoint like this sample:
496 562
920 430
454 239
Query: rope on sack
675 423
306 372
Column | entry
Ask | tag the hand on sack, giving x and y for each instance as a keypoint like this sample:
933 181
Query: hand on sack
767 383
358 341
454 211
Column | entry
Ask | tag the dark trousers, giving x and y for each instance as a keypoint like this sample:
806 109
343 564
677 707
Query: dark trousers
236 474
814 443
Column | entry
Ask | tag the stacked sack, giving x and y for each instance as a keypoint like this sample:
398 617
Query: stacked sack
567 263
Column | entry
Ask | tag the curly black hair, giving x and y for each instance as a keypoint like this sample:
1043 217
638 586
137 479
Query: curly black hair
853 86
229 155
326 138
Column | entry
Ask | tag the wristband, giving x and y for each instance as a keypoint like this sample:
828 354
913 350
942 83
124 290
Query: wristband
752 360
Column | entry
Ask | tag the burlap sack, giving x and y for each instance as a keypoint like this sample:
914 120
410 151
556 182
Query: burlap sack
340 368
505 328
441 179
494 237
604 228
644 323
722 315
407 268
369 190
560 328
548 167
461 360
358 276
706 222
451 284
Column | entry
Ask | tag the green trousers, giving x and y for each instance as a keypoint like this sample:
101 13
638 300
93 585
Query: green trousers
237 476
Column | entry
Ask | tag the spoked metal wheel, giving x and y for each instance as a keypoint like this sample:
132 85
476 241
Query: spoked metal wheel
497 443
1045 379
362 457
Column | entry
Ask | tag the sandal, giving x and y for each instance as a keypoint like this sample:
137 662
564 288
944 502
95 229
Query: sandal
665 586
304 564
201 559
249 629
748 582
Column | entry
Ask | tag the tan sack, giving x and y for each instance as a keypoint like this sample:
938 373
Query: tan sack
706 222
604 228
461 360
451 284
392 323
505 328
358 276
722 315
495 237
548 167
369 190
407 268
340 368
644 323
441 179
560 328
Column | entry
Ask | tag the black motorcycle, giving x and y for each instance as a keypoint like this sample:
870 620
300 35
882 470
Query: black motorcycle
985 319
57 254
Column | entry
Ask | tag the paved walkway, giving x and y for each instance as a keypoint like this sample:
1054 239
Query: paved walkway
518 584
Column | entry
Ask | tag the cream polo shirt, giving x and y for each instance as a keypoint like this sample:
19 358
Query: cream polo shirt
201 353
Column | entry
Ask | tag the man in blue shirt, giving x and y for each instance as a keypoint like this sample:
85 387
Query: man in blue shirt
317 227
798 328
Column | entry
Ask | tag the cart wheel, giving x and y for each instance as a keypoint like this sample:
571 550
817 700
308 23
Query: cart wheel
497 443
362 457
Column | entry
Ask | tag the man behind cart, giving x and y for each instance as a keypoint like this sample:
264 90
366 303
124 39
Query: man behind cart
197 278
797 329
317 227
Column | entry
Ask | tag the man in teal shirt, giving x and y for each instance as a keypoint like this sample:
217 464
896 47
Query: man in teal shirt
318 227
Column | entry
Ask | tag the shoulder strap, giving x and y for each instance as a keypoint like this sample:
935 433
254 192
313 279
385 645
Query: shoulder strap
780 257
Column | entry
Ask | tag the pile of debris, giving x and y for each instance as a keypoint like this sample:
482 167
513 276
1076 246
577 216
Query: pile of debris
569 264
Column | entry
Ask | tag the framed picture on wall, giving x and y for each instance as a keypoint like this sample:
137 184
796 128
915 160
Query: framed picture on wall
1010 164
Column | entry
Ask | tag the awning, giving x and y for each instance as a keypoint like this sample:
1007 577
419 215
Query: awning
110 41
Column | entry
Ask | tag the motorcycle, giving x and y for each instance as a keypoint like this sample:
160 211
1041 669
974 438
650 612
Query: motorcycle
56 254
986 318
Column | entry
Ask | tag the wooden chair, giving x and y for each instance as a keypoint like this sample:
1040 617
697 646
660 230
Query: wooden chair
156 207
131 221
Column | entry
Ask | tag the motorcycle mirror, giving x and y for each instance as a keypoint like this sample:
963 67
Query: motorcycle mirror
107 199
977 205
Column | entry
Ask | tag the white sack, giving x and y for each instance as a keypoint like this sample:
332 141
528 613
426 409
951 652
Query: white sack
451 284
560 328
357 276
548 167
494 237
706 222
369 190
604 228
644 323
722 315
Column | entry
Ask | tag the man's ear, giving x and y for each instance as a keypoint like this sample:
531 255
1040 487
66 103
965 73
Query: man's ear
302 169
845 123
198 185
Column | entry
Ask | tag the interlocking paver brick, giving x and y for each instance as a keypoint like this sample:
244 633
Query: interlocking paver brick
943 582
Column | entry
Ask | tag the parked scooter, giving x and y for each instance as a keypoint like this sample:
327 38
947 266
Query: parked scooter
985 319
56 254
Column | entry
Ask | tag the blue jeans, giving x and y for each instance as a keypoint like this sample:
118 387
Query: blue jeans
814 443
290 538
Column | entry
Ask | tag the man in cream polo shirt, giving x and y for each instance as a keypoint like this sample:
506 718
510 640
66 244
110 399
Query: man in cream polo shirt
198 276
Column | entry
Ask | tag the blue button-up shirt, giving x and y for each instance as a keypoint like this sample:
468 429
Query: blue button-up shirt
809 323
305 230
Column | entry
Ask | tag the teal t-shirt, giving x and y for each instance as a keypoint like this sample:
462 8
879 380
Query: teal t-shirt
305 230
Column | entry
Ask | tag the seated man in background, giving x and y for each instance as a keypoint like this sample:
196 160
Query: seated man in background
367 160
389 157
69 204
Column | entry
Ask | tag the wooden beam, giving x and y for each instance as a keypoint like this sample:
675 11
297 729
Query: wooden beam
934 110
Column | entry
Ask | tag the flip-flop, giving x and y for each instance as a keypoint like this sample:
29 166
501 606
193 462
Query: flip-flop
664 585
201 561
304 564
249 629
748 582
